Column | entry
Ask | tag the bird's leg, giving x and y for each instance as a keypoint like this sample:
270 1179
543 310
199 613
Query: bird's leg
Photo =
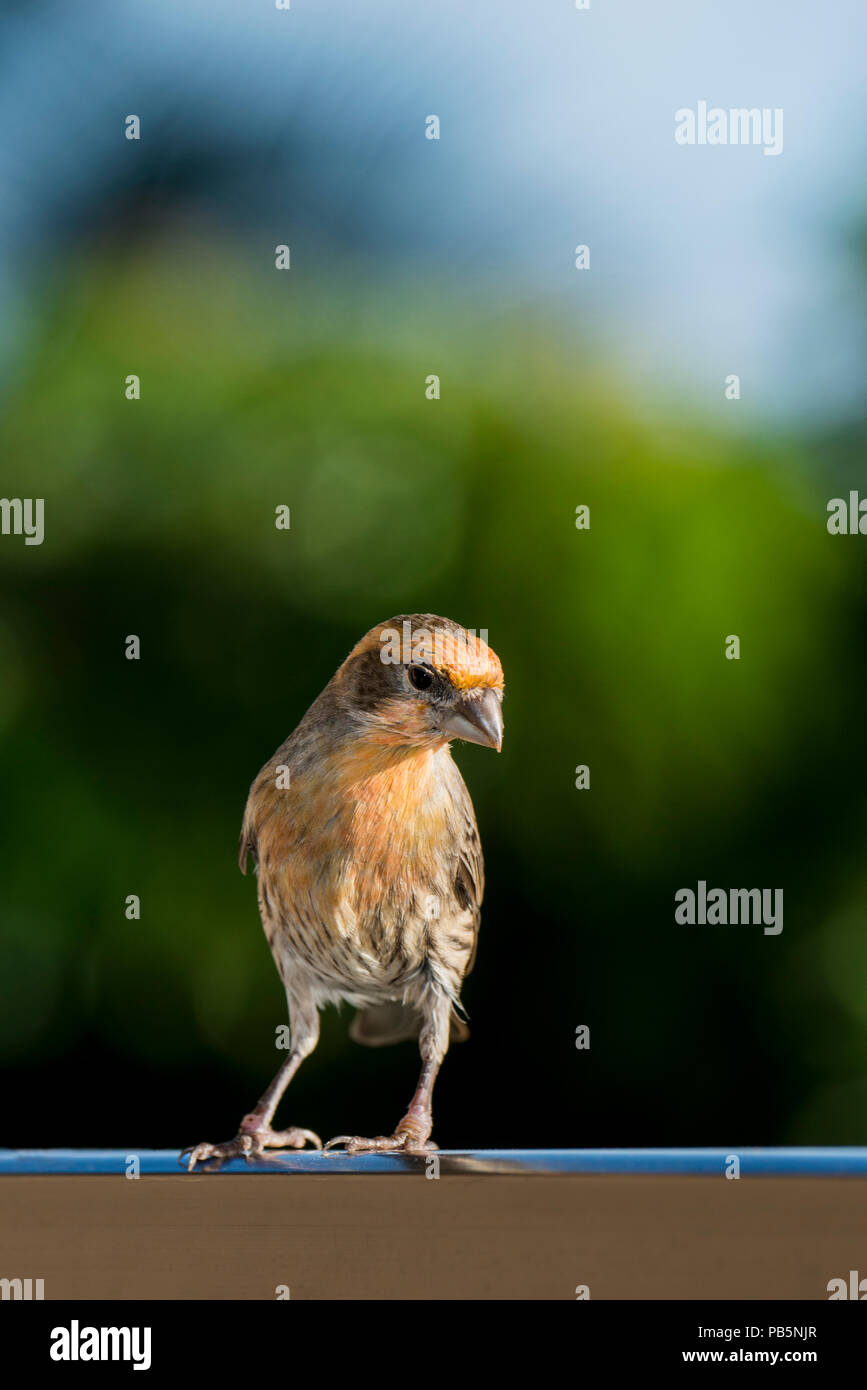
412 1135
255 1134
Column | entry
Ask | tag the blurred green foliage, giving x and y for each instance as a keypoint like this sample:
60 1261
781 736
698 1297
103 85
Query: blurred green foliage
130 777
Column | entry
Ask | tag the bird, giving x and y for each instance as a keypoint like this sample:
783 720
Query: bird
369 864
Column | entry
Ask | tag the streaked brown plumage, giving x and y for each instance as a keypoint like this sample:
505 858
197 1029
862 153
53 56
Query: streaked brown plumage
368 859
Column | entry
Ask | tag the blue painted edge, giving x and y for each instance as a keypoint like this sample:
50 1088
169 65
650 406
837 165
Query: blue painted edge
779 1162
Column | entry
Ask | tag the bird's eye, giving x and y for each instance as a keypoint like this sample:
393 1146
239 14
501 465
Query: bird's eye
420 678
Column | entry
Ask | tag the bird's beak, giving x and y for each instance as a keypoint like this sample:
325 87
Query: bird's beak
477 720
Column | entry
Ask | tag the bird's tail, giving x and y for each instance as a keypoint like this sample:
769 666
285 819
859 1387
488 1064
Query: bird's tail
379 1025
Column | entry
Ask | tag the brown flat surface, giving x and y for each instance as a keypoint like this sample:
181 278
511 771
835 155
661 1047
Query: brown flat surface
227 1237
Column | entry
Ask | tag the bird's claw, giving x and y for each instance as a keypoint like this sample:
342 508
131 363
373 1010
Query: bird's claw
248 1145
402 1142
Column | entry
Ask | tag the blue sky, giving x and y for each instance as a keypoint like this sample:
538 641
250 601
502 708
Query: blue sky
557 128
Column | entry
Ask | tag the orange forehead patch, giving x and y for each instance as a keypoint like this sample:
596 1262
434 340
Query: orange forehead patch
457 653
467 661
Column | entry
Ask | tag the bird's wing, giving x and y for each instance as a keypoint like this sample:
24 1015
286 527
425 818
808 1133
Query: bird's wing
469 886
249 842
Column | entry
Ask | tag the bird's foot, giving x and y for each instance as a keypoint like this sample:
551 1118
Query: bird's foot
410 1137
251 1141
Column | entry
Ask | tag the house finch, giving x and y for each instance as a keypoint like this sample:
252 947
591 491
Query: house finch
369 863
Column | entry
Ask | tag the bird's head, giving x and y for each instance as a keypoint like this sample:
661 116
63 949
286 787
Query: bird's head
420 681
